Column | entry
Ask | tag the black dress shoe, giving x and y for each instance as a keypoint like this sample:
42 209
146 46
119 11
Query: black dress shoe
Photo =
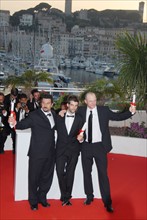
109 208
45 204
67 203
88 201
34 207
62 199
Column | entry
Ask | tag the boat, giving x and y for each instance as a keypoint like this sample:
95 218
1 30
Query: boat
109 71
47 63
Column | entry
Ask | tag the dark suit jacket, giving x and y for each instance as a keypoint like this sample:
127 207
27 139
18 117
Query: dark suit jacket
42 141
7 102
18 114
67 141
31 105
105 114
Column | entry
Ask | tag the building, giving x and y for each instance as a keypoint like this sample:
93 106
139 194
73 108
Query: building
68 7
26 20
4 18
141 9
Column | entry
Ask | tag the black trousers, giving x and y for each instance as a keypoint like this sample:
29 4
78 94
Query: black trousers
91 152
65 166
3 137
40 178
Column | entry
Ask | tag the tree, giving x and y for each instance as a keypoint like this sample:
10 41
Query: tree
133 64
105 91
28 79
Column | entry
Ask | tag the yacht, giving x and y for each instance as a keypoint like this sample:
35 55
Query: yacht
47 63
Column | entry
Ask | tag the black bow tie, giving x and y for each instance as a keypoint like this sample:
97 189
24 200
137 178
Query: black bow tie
49 114
72 116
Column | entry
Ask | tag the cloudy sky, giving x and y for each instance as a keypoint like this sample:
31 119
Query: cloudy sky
16 5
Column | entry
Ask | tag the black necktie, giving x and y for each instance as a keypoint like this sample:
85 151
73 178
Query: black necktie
90 127
72 116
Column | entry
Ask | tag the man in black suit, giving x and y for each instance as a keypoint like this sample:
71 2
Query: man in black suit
96 145
21 109
12 98
41 151
3 123
67 148
34 101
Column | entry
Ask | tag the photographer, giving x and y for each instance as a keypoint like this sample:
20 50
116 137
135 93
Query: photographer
21 109
3 123
34 101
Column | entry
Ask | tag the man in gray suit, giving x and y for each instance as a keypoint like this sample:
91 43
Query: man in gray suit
41 151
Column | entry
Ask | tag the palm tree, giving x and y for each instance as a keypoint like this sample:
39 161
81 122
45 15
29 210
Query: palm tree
133 64
28 79
105 91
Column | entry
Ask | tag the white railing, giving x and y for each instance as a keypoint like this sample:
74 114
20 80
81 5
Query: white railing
64 90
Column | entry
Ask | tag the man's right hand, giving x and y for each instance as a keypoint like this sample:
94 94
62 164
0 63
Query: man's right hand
12 121
62 112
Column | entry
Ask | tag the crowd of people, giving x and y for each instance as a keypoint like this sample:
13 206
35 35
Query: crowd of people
80 129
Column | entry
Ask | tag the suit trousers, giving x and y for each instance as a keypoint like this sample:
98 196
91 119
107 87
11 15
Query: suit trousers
65 166
95 152
40 178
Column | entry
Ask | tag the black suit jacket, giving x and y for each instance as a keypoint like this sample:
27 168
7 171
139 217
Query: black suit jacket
7 102
105 114
31 105
42 141
67 141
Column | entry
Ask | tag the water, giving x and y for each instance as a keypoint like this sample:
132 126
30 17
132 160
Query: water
80 76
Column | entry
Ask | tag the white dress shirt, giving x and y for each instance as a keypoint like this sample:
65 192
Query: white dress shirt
96 132
69 121
50 117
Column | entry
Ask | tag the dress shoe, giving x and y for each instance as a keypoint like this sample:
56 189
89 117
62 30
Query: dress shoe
67 203
62 199
34 207
109 208
45 204
88 201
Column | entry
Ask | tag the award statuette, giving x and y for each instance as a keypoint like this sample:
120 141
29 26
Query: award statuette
12 113
81 132
133 103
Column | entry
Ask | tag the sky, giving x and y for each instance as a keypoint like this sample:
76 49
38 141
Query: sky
16 5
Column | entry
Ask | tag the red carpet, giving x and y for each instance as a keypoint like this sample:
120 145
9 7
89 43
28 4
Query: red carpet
128 178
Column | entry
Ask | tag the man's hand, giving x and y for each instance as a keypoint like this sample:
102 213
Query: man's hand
80 137
62 112
132 109
12 121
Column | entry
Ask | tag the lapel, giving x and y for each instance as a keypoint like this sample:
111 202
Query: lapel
74 125
100 117
42 115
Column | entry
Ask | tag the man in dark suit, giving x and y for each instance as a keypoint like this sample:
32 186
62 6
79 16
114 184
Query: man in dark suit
41 151
21 109
67 148
3 123
12 98
96 145
34 101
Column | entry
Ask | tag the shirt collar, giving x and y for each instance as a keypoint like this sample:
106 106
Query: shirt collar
93 110
46 113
